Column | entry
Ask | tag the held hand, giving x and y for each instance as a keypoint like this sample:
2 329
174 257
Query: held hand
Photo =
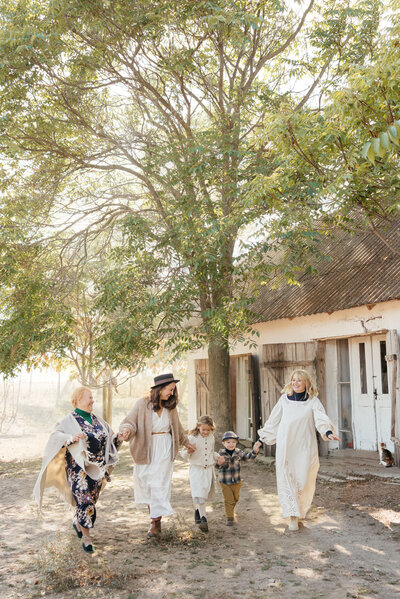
124 434
333 437
191 448
256 446
220 460
77 437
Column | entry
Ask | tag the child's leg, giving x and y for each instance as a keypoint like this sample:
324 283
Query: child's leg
201 506
229 500
236 492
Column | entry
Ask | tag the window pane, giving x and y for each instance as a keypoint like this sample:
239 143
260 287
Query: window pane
346 434
384 373
344 393
343 360
363 368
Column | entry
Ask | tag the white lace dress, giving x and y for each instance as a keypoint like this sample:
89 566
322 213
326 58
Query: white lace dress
291 426
152 482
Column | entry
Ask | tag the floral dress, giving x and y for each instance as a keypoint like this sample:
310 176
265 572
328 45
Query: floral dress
85 490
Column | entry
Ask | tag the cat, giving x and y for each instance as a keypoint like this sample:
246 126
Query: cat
386 456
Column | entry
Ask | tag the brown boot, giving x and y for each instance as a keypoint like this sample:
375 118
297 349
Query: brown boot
154 530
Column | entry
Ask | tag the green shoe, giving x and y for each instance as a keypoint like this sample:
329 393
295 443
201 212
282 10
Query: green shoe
88 548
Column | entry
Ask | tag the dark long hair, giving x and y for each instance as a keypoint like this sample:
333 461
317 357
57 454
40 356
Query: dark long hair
155 400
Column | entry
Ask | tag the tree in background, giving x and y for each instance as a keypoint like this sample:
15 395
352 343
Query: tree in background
178 125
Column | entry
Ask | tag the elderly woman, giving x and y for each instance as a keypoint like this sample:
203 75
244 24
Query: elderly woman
78 458
155 433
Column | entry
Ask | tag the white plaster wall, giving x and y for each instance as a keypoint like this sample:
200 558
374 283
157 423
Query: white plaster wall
343 323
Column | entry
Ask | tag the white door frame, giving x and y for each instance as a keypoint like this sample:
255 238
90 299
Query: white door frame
370 403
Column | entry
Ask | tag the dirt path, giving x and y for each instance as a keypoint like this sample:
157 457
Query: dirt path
348 547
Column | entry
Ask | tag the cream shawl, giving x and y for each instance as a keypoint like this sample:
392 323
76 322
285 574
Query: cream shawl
53 472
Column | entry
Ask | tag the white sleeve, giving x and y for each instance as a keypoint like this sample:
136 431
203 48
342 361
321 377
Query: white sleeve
268 432
321 419
184 451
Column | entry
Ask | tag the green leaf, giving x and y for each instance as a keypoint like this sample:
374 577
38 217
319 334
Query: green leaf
365 149
384 139
371 155
376 146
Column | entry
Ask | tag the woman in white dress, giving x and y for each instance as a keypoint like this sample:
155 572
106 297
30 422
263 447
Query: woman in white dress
155 433
291 426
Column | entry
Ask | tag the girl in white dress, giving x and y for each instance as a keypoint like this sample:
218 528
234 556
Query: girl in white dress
201 470
291 426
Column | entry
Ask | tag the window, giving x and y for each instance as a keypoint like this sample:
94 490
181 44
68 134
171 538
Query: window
384 372
344 393
363 368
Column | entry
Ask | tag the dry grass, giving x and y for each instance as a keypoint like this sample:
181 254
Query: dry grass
61 568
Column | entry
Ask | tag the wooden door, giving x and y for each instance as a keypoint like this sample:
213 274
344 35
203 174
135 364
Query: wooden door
244 393
279 360
370 391
202 392
392 359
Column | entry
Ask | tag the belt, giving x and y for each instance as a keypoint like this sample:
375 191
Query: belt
162 433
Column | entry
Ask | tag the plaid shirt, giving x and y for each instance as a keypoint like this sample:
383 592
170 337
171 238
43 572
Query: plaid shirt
229 472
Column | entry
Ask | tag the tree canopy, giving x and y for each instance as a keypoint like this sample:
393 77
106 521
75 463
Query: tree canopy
172 127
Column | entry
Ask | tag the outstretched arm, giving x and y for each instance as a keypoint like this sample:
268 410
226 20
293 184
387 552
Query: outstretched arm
269 431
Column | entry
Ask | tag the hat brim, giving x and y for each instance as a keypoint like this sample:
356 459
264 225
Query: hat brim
165 383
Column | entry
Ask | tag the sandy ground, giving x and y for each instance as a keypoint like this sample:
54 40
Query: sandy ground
348 547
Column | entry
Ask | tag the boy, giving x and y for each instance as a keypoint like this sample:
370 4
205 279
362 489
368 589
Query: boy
229 471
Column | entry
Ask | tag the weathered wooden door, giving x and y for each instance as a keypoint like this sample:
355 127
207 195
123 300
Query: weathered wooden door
392 358
279 360
202 393
244 392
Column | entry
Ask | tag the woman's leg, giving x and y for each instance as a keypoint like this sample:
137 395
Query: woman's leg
155 527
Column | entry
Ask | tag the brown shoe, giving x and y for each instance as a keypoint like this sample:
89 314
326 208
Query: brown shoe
158 524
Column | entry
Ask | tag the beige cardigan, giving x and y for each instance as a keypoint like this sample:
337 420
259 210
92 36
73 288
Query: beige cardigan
53 472
139 423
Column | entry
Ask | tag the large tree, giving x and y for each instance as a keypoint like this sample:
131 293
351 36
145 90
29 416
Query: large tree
185 123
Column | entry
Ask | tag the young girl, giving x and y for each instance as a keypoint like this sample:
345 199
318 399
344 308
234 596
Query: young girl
201 470
291 426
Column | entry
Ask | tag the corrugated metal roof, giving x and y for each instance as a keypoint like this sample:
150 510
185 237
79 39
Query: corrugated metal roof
364 268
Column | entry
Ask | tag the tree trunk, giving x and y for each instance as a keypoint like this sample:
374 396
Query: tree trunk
219 387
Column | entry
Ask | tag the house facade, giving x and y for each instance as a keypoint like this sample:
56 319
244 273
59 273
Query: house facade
343 326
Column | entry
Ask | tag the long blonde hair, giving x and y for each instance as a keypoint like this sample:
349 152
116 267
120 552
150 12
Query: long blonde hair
203 420
311 386
77 394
